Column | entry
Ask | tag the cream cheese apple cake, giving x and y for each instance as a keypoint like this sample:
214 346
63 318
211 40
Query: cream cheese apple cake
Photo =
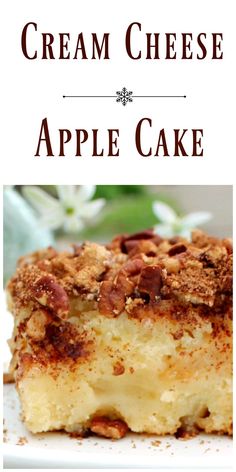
135 335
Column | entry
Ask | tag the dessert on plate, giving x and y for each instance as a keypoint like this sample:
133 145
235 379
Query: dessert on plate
135 335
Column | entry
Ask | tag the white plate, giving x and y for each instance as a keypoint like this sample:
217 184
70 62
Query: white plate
58 450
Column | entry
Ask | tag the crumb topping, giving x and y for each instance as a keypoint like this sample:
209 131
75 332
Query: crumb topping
141 269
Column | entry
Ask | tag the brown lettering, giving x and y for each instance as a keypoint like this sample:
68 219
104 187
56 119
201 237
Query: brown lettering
98 49
81 137
128 41
44 136
138 140
162 143
112 142
217 45
155 46
64 45
80 46
170 46
24 41
197 142
202 46
187 45
178 143
48 40
65 136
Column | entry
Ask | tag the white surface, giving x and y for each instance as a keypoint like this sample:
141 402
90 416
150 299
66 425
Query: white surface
37 93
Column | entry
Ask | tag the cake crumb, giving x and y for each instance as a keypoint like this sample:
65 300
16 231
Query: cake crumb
206 450
22 440
156 443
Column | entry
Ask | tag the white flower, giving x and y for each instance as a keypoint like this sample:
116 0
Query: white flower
173 225
72 210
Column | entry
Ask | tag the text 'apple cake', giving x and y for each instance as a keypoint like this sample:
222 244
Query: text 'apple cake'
133 335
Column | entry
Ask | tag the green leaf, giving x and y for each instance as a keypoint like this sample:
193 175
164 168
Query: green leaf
110 192
127 215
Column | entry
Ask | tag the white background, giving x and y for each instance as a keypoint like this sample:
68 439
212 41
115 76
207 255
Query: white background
33 90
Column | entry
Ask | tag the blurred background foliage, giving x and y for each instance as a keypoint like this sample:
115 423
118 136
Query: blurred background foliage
127 213
127 209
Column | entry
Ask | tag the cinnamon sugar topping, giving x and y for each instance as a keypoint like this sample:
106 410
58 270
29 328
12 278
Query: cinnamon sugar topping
131 273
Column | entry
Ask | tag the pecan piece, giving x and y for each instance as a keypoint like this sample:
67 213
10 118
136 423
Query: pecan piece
113 294
177 249
150 281
113 429
132 267
111 300
144 246
50 294
143 235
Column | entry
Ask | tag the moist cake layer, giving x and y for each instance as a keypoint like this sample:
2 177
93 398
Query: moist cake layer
134 335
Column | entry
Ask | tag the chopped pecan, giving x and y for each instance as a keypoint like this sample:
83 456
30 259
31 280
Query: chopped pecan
50 294
132 267
111 299
177 249
144 246
116 243
131 245
113 294
113 429
150 281
146 234
143 235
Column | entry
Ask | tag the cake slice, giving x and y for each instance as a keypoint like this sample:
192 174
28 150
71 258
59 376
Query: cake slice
133 335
